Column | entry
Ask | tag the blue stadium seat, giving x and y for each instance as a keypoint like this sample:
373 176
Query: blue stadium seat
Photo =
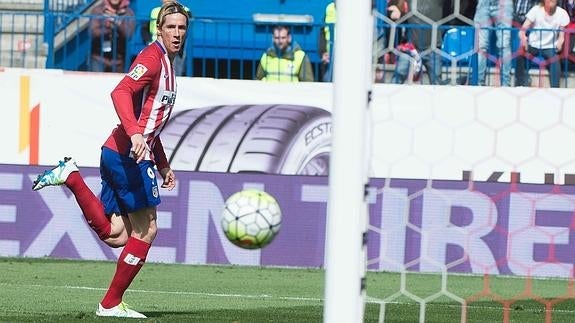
458 42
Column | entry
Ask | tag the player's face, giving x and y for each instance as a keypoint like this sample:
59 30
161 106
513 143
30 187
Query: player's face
281 38
173 32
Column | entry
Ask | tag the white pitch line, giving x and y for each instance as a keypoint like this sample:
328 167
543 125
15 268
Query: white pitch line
369 299
291 298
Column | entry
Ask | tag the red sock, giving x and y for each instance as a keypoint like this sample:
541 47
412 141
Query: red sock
91 206
130 261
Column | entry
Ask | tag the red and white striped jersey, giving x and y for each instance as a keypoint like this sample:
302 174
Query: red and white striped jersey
144 100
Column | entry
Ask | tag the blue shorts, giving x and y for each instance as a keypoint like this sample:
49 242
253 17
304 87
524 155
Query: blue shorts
126 185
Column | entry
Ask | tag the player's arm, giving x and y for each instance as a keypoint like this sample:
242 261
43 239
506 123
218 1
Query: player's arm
160 155
163 165
142 74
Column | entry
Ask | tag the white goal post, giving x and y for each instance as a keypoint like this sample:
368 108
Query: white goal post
347 209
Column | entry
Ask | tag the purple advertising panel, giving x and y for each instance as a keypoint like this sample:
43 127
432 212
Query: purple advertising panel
420 225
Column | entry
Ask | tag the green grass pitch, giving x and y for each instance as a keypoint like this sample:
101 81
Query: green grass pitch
52 290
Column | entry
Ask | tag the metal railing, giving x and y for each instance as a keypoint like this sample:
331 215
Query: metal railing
21 40
217 48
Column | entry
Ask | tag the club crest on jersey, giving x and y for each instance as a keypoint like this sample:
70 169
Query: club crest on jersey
138 71
168 97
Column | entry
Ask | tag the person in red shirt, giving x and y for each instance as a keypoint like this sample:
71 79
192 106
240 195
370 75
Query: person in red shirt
125 214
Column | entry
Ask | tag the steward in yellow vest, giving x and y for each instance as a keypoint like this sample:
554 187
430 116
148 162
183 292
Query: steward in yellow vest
153 21
326 41
329 20
284 61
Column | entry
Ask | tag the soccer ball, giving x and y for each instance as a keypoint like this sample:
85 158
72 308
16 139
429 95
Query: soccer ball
251 219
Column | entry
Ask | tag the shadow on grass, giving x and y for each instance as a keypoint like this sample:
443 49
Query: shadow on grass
299 314
482 311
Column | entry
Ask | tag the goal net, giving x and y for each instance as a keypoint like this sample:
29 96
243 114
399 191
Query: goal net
470 196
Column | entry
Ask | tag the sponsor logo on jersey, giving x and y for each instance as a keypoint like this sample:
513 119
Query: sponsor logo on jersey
137 72
168 97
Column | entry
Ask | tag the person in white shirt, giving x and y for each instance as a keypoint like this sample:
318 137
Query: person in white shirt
547 22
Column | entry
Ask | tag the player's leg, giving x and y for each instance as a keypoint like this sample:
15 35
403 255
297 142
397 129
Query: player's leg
133 255
130 262
120 231
136 191
67 173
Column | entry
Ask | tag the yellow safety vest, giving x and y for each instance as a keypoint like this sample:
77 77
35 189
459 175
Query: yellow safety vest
281 69
153 21
330 18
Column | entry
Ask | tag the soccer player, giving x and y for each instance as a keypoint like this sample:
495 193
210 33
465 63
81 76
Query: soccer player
125 214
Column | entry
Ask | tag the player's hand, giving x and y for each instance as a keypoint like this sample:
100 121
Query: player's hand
169 178
139 147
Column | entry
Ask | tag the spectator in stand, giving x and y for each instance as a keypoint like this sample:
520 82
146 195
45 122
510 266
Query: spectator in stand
421 37
498 14
462 19
547 22
326 42
569 49
110 29
521 7
149 34
466 11
408 62
379 76
284 61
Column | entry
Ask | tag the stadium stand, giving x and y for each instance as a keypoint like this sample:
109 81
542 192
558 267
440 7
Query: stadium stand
21 29
225 41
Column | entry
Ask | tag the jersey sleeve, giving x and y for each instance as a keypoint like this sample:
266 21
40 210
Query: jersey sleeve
160 155
144 71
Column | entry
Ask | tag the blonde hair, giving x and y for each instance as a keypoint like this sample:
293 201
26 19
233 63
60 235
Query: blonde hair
169 8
